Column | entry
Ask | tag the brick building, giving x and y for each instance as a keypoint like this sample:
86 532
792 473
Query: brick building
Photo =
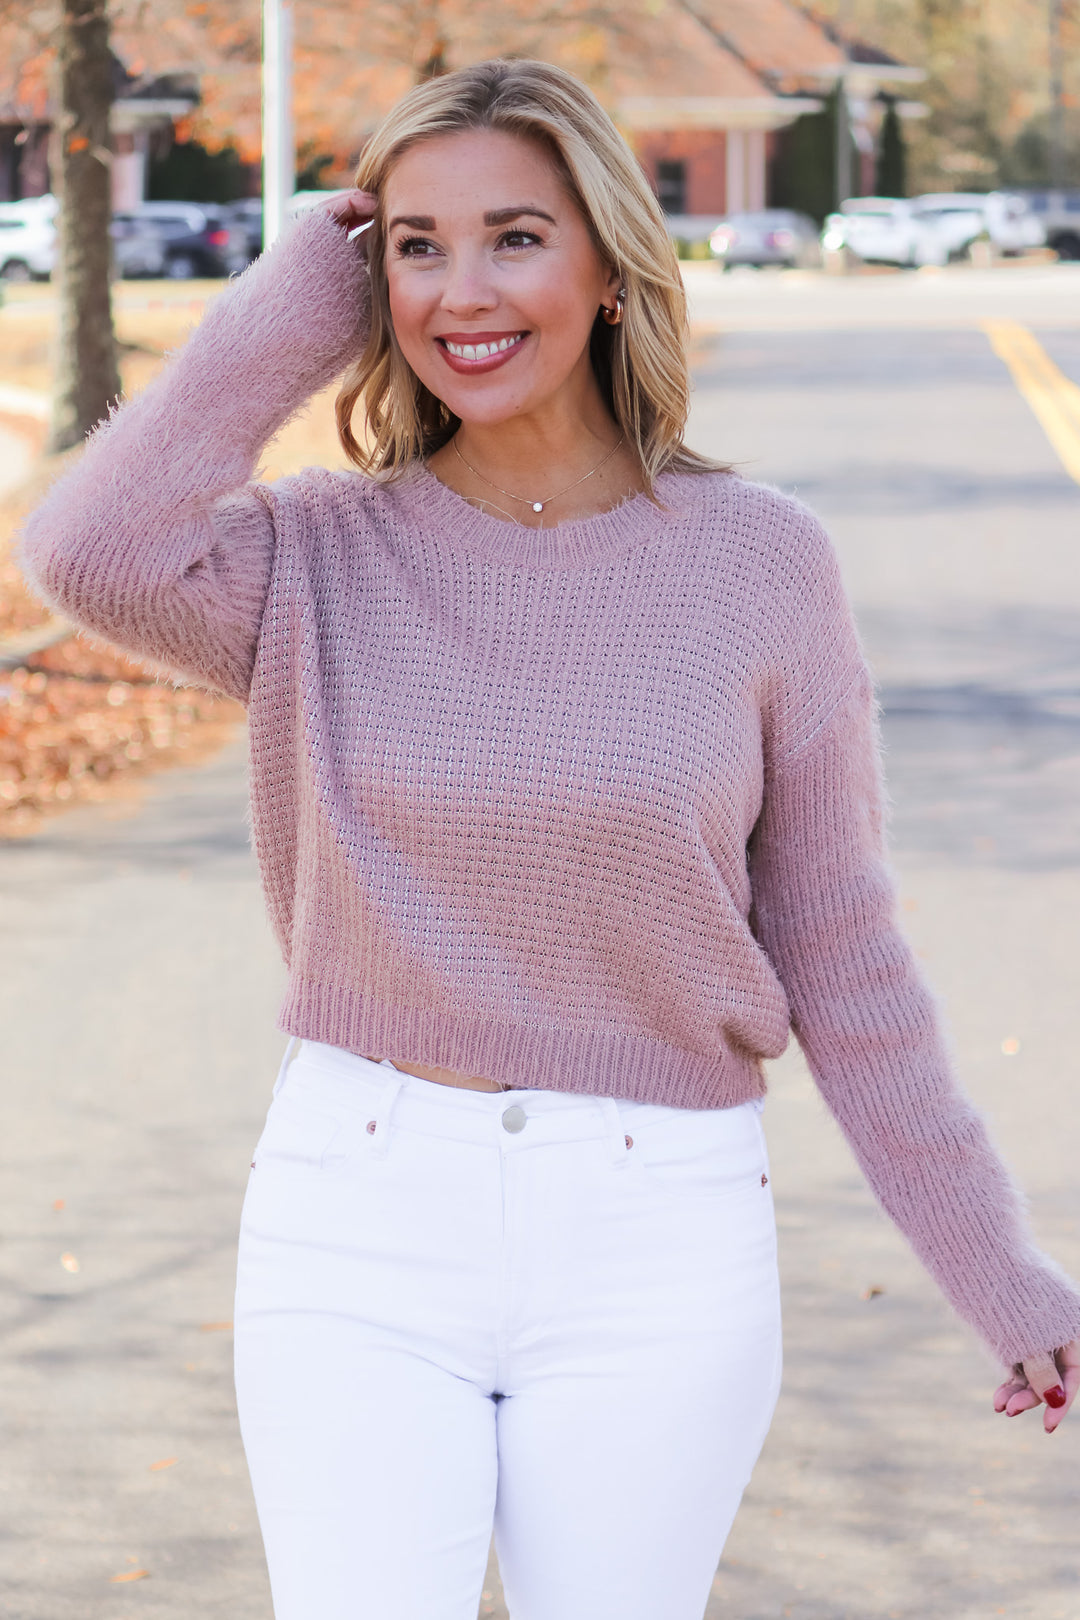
145 107
703 87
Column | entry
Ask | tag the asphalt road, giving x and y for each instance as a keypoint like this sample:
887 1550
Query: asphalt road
887 1487
139 983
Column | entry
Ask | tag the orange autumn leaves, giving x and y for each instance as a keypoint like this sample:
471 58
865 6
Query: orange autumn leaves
353 58
140 1572
130 1575
75 719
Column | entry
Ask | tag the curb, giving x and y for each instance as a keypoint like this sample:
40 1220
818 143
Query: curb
16 401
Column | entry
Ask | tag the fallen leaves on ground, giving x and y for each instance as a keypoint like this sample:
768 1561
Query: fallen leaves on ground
19 609
215 1327
163 1462
69 1262
130 1575
80 722
77 717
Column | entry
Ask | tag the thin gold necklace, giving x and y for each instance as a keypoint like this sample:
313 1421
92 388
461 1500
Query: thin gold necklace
537 506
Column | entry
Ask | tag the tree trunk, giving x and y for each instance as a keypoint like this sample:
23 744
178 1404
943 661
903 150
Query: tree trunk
87 378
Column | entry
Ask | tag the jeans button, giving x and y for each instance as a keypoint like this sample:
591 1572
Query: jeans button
514 1118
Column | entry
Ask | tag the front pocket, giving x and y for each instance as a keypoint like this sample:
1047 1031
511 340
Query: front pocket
299 1137
714 1154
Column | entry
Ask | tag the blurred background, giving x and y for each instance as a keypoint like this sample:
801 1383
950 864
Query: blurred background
876 204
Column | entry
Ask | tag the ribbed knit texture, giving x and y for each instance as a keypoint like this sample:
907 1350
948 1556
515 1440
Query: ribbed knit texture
595 807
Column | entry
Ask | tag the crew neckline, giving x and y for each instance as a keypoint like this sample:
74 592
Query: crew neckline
574 544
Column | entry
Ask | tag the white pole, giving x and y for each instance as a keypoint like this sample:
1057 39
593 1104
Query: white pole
843 141
279 159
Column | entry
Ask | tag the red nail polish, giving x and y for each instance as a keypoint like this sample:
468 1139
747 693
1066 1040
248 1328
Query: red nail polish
1055 1397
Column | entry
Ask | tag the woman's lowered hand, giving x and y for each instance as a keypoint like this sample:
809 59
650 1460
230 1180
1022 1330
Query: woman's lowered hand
1050 1379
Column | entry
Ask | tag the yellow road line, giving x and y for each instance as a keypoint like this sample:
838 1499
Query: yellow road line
1054 399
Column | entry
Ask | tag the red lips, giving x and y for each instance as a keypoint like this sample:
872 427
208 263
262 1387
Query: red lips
474 367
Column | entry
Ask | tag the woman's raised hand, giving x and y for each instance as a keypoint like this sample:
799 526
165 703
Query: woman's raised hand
352 209
1051 1379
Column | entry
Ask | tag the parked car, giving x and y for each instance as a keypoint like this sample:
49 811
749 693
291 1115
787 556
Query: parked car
137 246
1058 212
884 230
28 238
28 242
769 236
963 216
248 214
197 239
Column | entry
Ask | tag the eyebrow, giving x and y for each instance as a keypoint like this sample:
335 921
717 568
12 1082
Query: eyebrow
503 216
495 216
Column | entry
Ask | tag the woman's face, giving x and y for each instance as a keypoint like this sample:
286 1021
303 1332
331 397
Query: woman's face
487 251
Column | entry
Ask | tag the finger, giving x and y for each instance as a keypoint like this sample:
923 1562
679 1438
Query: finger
1022 1401
352 199
1056 1415
1004 1393
1013 1380
353 208
1044 1377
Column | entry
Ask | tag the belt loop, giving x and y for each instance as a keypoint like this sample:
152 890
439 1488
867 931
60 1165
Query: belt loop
290 1052
379 1124
614 1131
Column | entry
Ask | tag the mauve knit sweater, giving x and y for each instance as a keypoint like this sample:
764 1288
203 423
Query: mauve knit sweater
594 807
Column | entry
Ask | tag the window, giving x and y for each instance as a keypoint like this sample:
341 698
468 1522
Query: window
671 186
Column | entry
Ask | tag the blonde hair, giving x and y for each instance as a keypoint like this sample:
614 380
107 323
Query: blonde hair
641 364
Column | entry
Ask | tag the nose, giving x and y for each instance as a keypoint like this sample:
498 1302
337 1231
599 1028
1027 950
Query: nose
468 288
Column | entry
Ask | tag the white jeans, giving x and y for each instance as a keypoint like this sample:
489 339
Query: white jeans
553 1314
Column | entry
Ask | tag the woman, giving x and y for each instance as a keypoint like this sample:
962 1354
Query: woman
565 794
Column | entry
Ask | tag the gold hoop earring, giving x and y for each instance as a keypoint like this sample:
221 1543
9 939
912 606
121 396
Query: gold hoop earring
615 314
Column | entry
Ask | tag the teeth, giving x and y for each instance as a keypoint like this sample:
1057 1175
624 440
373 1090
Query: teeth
481 351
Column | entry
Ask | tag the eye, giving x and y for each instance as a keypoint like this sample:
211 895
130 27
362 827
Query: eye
516 240
414 247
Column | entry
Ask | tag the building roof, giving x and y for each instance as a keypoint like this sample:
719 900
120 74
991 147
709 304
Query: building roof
669 53
780 42
679 66
728 64
791 45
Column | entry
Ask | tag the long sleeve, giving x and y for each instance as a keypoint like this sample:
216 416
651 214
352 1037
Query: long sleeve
157 539
825 910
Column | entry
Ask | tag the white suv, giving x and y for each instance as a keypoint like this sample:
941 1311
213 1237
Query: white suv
884 230
27 238
963 216
28 242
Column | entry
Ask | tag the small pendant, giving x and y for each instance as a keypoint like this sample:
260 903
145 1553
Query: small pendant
538 506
